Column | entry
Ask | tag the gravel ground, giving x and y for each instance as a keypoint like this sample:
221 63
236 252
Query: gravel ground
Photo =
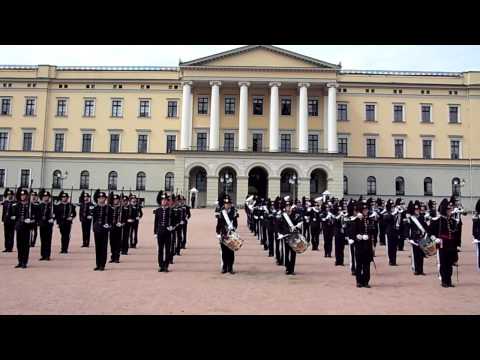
68 284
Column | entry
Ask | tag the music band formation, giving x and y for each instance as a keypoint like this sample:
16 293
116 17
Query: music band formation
283 227
113 218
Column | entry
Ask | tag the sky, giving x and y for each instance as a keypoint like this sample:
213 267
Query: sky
355 57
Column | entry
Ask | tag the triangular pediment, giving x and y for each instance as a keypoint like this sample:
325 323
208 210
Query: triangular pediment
260 56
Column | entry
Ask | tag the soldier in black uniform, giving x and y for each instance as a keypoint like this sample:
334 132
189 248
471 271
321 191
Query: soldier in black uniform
476 232
8 222
86 207
118 221
46 218
328 226
179 215
270 226
313 214
284 228
64 215
339 234
102 223
24 217
222 229
418 229
35 203
391 219
350 233
363 242
279 253
137 210
380 209
128 220
162 231
186 215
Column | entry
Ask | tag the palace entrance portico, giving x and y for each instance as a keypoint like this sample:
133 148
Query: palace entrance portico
261 173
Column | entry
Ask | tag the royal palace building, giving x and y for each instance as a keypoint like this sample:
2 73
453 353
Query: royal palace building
257 119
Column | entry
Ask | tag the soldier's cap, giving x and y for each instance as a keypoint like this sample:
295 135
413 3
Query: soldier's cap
102 194
116 197
10 192
86 195
23 192
125 197
64 195
46 193
34 193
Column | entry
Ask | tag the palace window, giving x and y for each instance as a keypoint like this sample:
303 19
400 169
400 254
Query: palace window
228 141
169 182
2 178
25 178
112 180
202 141
426 113
203 105
399 186
3 141
257 106
345 185
141 180
30 107
171 143
371 185
84 180
371 148
59 142
285 143
399 148
427 148
455 149
89 108
117 108
257 140
144 108
61 107
342 112
343 145
6 106
398 113
427 186
229 105
370 112
114 143
27 141
57 180
286 106
456 187
172 109
86 142
312 107
453 114
313 143
142 143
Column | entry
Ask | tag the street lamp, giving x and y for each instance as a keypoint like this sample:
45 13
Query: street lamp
460 183
226 179
292 181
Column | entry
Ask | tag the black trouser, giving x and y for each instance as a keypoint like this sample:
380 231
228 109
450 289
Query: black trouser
477 248
228 257
9 232
33 236
115 242
448 257
417 258
353 263
164 251
271 241
65 229
173 238
178 239
264 236
101 247
392 244
375 237
278 249
184 235
23 244
46 240
290 257
327 241
124 238
133 236
363 258
339 248
381 234
86 229
315 238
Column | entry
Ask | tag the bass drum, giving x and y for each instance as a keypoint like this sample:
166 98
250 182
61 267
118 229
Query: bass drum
232 241
428 246
297 242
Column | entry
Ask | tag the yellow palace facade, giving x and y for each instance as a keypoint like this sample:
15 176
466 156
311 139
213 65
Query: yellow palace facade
257 119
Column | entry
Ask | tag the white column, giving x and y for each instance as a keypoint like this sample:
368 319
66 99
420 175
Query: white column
190 127
274 130
243 121
186 121
332 118
303 118
215 115
325 124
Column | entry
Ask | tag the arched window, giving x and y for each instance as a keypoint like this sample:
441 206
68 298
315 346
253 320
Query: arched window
399 186
141 179
371 185
427 186
57 179
84 179
345 185
169 181
456 186
112 180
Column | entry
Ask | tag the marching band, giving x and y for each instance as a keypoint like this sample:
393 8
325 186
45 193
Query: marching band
284 228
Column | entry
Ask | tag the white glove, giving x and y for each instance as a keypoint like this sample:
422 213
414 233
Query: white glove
458 248
155 236
51 221
365 237
119 224
350 241
360 216
69 219
475 241
182 222
432 237
169 228
255 217
437 241
12 217
89 217
27 221
137 218
219 236
281 236
106 226
408 216
413 242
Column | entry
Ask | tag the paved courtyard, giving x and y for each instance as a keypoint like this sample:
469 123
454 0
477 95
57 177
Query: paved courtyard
68 284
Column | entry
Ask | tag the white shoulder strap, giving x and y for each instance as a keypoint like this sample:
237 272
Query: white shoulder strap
227 219
415 220
287 219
